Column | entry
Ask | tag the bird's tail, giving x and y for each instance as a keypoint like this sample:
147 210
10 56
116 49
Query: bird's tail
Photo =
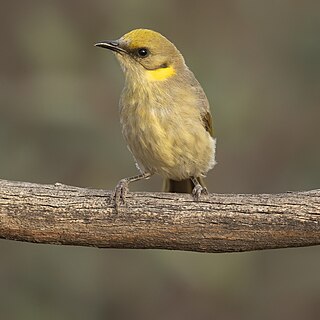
182 186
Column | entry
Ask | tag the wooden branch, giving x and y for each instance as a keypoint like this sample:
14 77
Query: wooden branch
60 214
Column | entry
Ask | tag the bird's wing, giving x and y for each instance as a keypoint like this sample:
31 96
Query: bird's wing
203 104
207 122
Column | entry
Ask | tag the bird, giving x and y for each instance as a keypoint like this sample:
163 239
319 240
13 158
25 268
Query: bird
164 114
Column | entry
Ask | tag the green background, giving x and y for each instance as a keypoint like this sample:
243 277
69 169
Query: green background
258 62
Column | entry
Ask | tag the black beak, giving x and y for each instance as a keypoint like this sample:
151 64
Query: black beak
113 45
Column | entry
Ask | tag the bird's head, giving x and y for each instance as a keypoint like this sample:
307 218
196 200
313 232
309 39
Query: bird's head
146 55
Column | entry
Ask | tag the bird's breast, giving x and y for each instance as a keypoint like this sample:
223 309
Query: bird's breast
166 137
148 135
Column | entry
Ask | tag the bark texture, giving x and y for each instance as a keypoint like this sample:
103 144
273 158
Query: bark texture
60 214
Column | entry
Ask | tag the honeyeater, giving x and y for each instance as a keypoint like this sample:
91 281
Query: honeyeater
164 114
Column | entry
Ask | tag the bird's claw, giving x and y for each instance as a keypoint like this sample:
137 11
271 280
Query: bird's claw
198 190
120 193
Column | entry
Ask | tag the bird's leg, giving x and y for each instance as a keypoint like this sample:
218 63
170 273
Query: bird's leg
198 189
122 188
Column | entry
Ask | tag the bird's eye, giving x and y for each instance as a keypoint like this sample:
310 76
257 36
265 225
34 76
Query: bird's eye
143 52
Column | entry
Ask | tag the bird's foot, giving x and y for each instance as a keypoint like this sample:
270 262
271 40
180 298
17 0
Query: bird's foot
198 190
120 193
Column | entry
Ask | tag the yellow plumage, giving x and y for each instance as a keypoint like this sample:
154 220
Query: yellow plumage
160 74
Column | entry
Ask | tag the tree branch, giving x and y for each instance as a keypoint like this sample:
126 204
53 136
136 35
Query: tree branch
60 214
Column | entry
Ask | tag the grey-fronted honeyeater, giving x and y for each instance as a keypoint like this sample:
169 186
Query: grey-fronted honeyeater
164 114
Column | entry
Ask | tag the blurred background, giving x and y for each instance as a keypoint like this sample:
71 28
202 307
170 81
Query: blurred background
259 63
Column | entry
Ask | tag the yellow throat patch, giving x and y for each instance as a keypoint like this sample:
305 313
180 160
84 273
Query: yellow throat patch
160 74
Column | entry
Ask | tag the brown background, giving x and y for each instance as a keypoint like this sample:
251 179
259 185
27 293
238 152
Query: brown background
258 62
